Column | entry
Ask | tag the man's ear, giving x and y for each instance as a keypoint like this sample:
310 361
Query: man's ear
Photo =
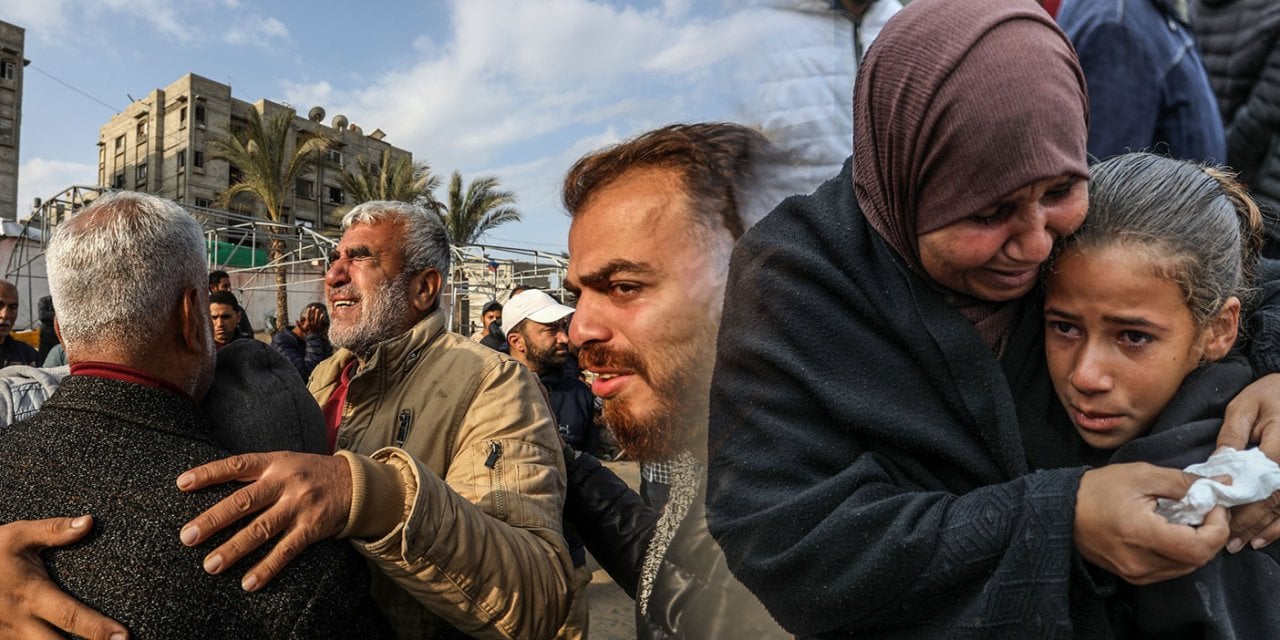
1220 334
194 323
424 289
515 342
57 329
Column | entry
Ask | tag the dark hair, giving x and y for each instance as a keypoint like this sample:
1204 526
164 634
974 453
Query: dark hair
316 305
715 161
217 276
224 297
492 305
1197 221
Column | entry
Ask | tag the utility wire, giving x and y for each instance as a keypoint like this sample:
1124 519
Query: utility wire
83 93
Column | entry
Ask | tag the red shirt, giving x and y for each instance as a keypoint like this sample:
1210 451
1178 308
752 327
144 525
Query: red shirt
337 402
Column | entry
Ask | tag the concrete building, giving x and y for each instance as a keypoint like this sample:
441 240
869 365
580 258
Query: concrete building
12 66
160 144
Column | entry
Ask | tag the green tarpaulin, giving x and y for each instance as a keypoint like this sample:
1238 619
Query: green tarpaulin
230 254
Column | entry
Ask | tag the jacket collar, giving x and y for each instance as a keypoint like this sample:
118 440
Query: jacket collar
402 351
147 407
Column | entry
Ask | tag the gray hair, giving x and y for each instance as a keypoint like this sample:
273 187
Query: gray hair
144 249
426 244
1197 222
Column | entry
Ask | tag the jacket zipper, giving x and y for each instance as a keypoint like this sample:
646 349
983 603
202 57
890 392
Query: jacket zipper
494 463
402 431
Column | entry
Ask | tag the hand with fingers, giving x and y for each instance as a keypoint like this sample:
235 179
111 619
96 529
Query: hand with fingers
33 605
302 498
1253 417
1117 528
314 321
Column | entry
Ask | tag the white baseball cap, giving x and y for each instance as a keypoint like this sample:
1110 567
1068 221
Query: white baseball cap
532 304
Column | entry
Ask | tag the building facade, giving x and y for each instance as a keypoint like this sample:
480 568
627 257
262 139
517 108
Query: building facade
12 64
160 145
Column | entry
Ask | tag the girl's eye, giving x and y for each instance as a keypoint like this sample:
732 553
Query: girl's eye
1061 328
1135 338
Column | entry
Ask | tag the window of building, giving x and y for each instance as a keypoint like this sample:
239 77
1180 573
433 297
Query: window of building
335 195
182 160
335 157
8 70
198 159
120 144
141 171
118 181
204 202
182 116
199 114
142 130
302 188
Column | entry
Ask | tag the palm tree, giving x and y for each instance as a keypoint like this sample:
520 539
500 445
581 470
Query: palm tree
468 215
398 179
269 172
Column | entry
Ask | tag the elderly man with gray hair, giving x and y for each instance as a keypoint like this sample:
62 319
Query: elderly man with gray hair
125 422
448 475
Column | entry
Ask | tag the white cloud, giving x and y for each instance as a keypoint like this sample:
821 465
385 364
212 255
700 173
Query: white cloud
521 90
253 29
36 15
40 178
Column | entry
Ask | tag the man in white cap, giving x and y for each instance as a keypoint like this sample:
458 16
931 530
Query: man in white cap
537 330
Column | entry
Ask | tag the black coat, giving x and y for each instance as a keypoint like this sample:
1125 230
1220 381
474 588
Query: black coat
114 449
887 489
1240 43
694 596
1230 597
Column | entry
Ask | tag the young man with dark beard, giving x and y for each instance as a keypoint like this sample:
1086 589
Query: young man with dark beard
654 221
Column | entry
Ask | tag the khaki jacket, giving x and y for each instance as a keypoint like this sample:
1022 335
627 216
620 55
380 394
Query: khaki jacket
465 472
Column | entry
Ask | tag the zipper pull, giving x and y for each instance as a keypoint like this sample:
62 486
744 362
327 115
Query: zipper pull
495 450
403 431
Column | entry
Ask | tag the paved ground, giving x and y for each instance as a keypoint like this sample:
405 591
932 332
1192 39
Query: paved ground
612 612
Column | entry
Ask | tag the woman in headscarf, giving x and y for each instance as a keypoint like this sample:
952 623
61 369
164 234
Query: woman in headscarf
922 481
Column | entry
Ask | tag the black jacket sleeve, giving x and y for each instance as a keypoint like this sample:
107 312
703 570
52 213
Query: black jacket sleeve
611 519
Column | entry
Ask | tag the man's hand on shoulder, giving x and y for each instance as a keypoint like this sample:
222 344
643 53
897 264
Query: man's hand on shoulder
32 605
1117 528
302 498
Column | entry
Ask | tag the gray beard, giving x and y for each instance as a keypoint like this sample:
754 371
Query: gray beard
380 317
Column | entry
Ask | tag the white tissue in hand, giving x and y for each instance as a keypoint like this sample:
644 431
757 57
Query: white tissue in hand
1253 478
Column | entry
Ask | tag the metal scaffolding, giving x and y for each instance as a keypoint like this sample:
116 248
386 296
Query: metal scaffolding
479 272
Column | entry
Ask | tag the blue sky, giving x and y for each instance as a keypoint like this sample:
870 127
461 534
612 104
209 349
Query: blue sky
501 87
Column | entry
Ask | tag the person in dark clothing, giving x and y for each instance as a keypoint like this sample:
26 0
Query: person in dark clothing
48 336
306 343
1147 86
491 313
921 489
125 422
494 339
221 281
1142 305
654 219
12 350
536 327
225 313
1240 43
